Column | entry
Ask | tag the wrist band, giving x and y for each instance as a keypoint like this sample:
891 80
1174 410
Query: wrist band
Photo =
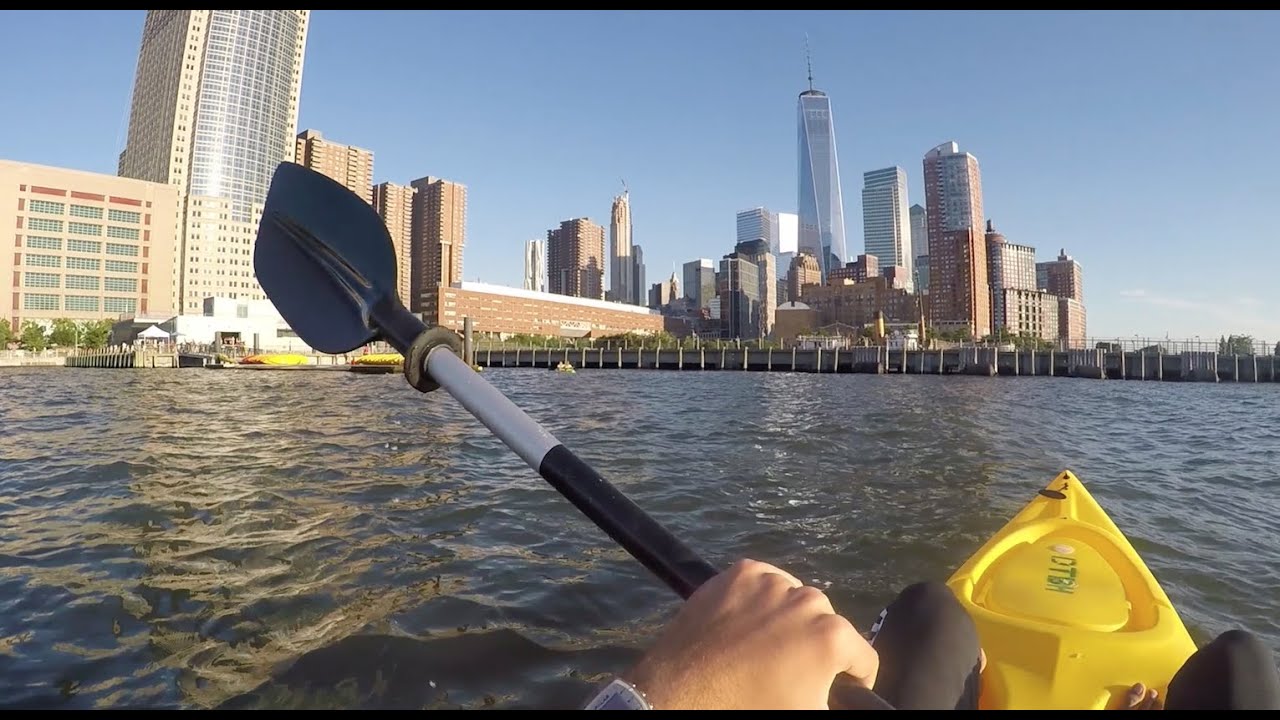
619 695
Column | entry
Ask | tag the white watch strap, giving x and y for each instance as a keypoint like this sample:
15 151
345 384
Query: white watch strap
619 695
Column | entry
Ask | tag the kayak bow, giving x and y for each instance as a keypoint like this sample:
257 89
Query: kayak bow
1069 615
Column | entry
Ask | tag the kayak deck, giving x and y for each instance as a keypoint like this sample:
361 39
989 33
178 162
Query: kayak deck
1069 615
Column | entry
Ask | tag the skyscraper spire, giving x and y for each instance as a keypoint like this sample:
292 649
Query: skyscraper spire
808 60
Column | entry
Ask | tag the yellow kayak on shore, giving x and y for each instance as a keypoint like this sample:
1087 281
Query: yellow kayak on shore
275 359
1068 613
379 359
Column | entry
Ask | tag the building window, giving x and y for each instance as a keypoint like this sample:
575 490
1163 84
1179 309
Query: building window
84 246
79 263
119 249
44 225
46 207
82 303
83 228
44 260
44 243
41 280
115 284
122 233
123 216
82 282
33 301
122 266
119 305
86 211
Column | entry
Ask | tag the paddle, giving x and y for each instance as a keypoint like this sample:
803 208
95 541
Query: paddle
325 259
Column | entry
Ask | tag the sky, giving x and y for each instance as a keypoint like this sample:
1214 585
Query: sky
1143 144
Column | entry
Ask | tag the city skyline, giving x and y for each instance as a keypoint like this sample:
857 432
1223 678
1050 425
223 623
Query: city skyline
1078 163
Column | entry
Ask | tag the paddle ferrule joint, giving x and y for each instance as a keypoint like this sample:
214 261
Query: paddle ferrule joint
415 360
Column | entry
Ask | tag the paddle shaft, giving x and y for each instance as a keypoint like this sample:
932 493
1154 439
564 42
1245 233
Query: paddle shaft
644 538
624 521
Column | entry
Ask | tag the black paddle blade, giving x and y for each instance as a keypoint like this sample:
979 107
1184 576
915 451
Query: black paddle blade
324 258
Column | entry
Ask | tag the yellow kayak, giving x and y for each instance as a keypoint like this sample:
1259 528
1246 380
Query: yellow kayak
275 359
379 359
1068 614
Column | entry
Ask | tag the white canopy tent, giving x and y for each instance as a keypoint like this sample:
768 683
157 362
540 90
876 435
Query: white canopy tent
153 333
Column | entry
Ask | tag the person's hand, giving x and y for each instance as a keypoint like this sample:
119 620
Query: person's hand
753 637
1140 698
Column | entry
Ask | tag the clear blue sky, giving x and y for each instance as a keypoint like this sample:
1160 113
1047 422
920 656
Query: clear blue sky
1142 143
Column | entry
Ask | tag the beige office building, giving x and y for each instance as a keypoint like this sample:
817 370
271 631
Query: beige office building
214 112
1008 266
1071 324
1029 312
84 245
507 311
395 204
793 320
347 164
804 271
857 303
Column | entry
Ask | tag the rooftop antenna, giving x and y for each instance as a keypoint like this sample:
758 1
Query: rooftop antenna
624 187
808 60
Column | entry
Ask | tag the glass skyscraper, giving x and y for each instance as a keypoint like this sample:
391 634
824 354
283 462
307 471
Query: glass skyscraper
886 221
245 105
820 203
214 111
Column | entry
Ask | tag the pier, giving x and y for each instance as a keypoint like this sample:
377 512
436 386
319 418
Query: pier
132 359
988 362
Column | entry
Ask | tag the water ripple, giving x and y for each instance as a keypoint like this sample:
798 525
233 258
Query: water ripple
194 539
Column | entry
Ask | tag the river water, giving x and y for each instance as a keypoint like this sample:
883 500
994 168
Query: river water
197 539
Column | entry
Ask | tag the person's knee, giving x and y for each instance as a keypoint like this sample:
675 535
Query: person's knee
1241 644
929 595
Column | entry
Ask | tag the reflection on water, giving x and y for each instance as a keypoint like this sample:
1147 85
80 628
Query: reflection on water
259 539
451 671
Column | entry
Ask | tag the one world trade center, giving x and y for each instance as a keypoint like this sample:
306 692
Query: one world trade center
820 204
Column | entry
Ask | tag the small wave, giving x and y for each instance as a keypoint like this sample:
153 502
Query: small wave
184 539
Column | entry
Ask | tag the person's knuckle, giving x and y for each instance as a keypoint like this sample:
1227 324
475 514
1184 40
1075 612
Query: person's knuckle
745 566
834 625
834 632
809 596
774 581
